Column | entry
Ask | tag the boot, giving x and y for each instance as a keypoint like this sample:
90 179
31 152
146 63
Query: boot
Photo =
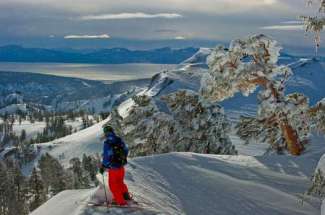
127 196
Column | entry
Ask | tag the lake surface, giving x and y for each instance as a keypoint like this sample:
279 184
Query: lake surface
103 72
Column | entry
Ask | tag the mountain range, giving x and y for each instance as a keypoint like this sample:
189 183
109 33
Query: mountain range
13 53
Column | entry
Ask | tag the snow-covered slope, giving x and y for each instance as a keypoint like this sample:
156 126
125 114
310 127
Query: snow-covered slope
188 183
308 78
86 141
197 60
50 92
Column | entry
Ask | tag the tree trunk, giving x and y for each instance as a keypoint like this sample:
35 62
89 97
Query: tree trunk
290 135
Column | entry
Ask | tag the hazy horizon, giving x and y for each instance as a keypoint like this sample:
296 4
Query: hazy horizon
145 24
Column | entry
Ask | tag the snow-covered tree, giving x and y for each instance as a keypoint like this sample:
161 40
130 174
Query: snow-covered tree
203 124
317 114
188 124
316 22
249 128
145 127
251 63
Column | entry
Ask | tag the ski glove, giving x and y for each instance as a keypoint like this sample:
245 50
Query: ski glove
102 170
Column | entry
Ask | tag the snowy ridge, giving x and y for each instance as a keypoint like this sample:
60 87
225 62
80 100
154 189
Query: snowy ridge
188 183
197 60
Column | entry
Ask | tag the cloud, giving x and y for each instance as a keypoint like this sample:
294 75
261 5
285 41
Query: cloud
138 15
180 38
284 27
103 36
98 6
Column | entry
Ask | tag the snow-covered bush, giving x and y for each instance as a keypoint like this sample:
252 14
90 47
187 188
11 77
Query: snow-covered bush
189 124
243 67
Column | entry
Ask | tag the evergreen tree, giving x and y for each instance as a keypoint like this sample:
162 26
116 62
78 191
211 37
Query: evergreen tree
190 125
23 135
36 189
316 22
89 164
4 200
78 180
243 67
15 190
53 174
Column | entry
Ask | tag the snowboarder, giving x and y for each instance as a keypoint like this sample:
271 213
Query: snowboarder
115 154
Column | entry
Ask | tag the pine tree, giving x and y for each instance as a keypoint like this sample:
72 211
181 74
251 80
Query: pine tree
89 167
53 174
190 124
250 63
23 135
317 114
4 200
78 180
315 23
36 189
15 190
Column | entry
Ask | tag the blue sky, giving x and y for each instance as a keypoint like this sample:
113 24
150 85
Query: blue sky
38 21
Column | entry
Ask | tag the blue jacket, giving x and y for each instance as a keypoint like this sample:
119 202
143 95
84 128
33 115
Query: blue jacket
111 138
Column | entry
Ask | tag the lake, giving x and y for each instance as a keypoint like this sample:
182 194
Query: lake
103 72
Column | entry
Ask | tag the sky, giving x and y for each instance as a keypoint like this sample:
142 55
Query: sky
74 23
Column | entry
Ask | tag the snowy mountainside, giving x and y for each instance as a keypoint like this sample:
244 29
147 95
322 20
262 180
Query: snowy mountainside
86 141
61 93
308 78
12 98
168 82
198 59
188 183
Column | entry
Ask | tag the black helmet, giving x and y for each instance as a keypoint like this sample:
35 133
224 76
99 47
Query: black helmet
107 128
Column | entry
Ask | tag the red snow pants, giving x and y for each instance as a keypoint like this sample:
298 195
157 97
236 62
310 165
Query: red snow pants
117 185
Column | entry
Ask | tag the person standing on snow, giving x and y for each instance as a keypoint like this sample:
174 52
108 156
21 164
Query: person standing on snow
115 154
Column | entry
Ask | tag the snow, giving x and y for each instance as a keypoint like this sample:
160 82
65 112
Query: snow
197 60
31 128
7 150
251 149
103 104
189 183
75 145
13 108
64 203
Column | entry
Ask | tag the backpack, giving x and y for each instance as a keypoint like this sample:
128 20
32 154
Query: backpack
119 157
